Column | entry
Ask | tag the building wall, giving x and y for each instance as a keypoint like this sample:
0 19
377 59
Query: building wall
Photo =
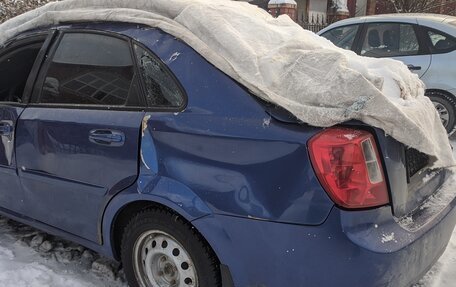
318 10
351 4
283 9
361 8
302 14
260 3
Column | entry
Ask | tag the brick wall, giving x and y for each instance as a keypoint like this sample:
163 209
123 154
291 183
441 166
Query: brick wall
283 9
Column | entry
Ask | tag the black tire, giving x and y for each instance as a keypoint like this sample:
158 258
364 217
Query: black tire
163 220
447 102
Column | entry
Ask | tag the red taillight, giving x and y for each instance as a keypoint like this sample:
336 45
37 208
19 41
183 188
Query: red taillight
348 166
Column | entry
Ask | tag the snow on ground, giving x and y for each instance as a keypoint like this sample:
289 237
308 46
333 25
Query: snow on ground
443 274
29 258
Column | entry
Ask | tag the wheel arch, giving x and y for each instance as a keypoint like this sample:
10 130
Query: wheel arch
122 218
124 206
436 90
451 100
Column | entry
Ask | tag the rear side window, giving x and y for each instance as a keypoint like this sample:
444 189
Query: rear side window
15 68
161 88
440 42
390 40
91 69
342 37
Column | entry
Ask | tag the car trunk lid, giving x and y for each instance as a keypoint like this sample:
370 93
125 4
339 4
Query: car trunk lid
411 179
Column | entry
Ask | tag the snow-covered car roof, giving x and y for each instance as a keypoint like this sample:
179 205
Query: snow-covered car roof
278 61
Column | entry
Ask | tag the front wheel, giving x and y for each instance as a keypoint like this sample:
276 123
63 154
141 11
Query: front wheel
159 249
446 107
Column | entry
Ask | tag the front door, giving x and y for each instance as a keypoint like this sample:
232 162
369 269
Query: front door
78 141
16 63
399 41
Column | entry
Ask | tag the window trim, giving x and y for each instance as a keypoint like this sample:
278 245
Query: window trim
422 51
427 39
37 90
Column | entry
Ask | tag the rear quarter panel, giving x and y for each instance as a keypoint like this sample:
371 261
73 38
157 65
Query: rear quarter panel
224 147
442 75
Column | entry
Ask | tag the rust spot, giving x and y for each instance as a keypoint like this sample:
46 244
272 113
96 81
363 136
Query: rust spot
144 124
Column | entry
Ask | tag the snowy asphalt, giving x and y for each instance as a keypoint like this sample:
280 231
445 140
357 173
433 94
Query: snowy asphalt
29 258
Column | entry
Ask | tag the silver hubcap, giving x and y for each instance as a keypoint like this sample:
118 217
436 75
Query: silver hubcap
443 112
161 261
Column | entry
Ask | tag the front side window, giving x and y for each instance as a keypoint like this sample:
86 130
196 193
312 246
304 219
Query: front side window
390 40
440 42
342 37
91 69
15 68
161 88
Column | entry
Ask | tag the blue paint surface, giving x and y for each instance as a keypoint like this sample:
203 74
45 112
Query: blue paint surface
239 172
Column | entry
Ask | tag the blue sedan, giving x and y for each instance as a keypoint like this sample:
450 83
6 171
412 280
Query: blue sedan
122 138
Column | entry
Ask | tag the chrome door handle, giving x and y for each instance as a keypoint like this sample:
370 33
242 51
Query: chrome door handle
107 137
414 68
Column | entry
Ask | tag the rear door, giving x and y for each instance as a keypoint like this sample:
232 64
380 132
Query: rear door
441 75
399 41
78 141
17 62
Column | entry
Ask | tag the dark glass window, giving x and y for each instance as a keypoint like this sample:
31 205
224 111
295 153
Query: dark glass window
15 68
342 37
390 40
91 69
440 42
160 87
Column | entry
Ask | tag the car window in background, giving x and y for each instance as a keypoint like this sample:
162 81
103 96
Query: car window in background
342 37
440 42
161 88
91 69
390 40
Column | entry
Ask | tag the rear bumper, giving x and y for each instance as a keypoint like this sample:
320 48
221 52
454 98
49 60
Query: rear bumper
362 248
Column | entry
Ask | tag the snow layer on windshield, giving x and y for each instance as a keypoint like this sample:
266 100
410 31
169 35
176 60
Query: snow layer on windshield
279 62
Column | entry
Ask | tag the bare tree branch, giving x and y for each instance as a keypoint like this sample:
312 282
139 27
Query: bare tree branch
418 6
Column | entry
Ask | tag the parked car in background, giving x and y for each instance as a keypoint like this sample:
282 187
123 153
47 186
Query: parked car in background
426 43
158 159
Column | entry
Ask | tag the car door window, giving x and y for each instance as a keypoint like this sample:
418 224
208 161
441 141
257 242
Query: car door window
342 37
15 67
162 89
91 69
440 42
390 40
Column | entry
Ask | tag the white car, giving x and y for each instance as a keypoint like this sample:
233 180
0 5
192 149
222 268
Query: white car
426 43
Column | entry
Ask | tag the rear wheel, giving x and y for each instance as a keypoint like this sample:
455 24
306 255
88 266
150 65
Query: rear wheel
160 249
446 107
